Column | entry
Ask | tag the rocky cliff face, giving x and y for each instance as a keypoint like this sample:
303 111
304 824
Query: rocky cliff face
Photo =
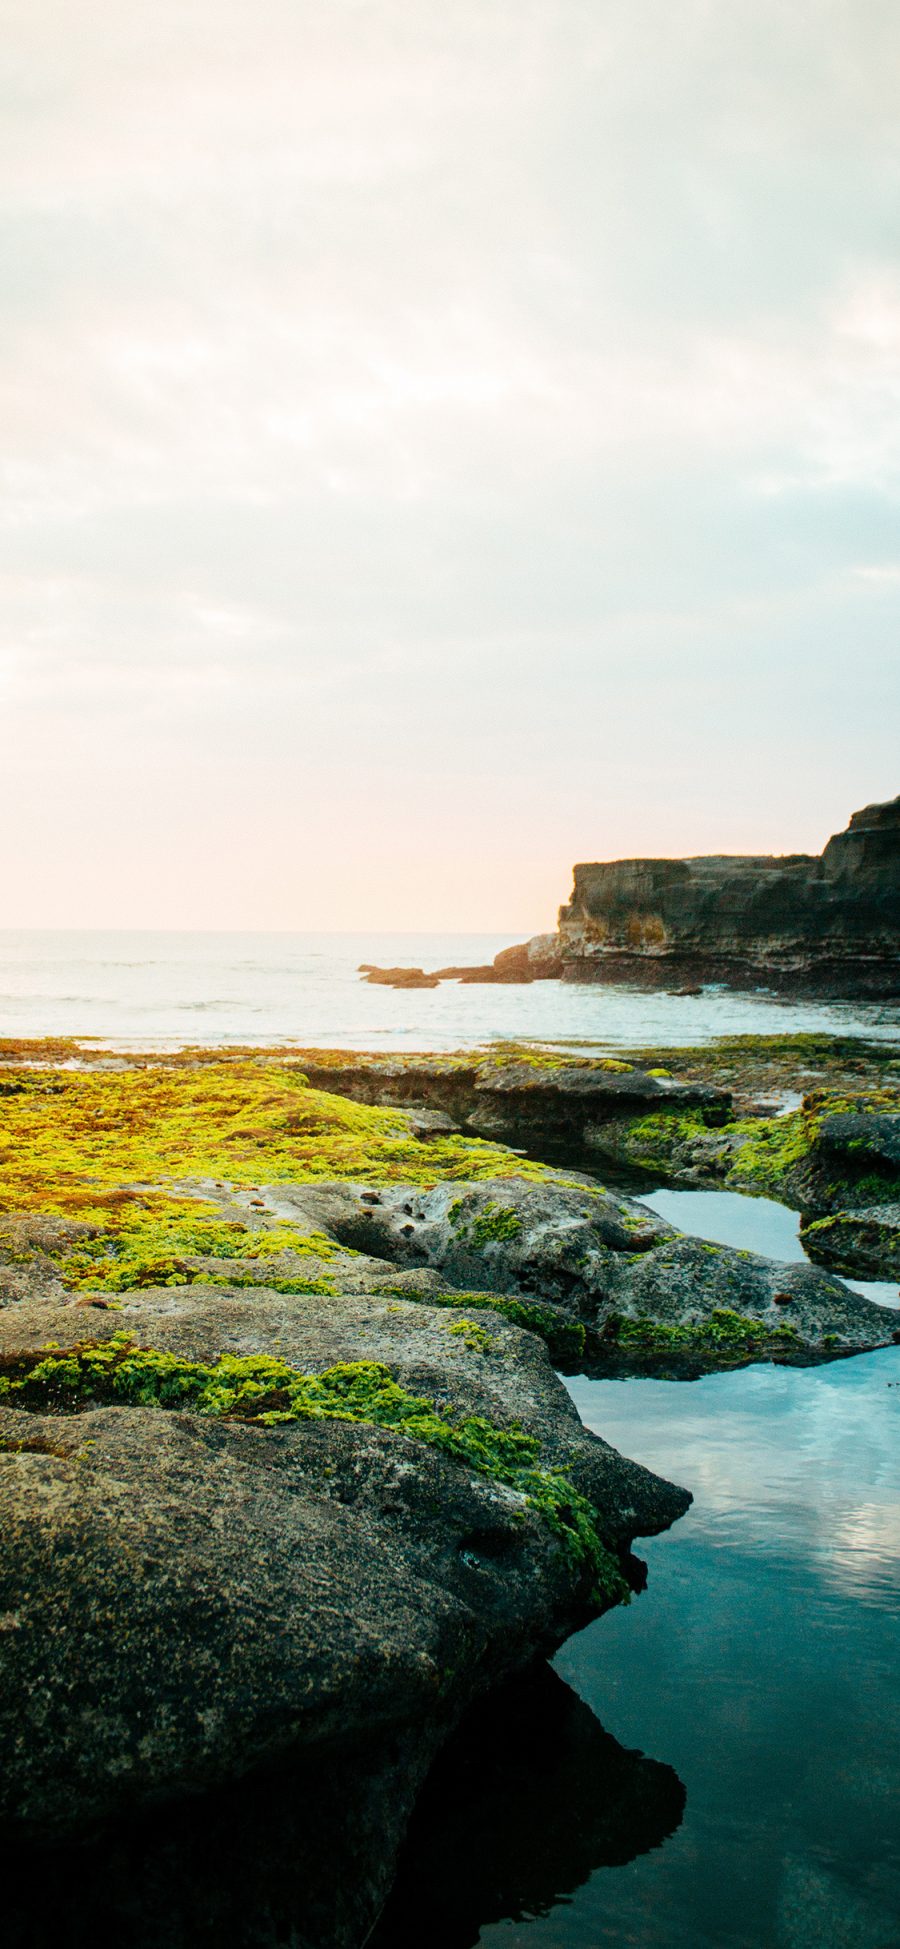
826 924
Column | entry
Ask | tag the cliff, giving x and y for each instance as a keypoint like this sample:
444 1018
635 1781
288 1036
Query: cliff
825 924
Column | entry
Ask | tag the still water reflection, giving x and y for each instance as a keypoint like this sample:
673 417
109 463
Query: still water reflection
754 1224
529 1799
761 1663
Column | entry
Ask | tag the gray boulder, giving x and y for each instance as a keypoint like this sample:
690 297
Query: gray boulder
186 1599
646 1294
863 1137
864 1243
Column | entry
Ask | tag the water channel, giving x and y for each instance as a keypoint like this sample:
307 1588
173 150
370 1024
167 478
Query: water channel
757 1672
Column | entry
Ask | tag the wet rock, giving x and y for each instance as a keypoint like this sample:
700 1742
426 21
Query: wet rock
186 1598
534 1100
398 977
535 960
737 1306
484 973
863 1136
681 1150
646 1294
864 1244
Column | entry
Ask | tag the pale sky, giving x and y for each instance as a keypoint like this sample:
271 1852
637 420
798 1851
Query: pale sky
439 443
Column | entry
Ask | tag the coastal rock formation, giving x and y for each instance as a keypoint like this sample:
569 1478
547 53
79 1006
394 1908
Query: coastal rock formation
835 1159
646 1296
816 924
398 977
188 1596
534 960
863 1138
863 1242
287 1481
826 924
515 1098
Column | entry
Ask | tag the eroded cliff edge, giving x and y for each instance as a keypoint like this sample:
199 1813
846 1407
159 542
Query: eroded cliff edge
818 924
823 924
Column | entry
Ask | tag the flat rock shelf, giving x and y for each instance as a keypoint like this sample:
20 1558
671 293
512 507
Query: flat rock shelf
291 1497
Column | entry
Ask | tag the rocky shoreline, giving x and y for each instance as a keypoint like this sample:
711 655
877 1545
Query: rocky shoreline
288 1483
824 925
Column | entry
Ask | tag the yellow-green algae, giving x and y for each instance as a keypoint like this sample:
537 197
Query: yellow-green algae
476 1337
763 1154
159 1247
564 1339
268 1391
766 1148
72 1140
493 1223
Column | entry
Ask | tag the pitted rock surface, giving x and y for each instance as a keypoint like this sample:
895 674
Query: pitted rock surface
185 1598
592 1253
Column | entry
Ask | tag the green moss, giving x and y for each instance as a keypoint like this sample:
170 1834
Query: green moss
821 1225
493 1223
503 1055
872 1189
564 1339
476 1337
269 1392
78 1141
650 1141
169 1248
853 1242
807 1048
723 1330
769 1148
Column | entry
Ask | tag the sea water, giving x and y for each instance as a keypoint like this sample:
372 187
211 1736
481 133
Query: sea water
167 989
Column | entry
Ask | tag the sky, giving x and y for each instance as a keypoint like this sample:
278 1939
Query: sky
439 444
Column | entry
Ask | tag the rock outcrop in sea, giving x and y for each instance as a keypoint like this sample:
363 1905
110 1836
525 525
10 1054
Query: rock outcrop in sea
826 924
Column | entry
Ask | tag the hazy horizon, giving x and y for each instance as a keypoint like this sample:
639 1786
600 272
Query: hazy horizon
440 447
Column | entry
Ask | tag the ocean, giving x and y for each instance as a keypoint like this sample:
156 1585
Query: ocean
160 990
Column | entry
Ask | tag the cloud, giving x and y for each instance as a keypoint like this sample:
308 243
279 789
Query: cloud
521 376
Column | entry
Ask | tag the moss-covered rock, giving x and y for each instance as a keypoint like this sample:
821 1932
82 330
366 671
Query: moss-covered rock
85 1143
594 1256
269 1522
864 1244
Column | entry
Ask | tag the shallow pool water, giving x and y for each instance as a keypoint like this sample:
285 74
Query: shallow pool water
761 1662
758 1670
753 1224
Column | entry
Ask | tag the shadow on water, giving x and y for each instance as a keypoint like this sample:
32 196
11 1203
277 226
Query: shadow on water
528 1800
298 1858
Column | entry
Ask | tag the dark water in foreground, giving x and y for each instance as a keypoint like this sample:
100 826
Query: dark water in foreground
760 1665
